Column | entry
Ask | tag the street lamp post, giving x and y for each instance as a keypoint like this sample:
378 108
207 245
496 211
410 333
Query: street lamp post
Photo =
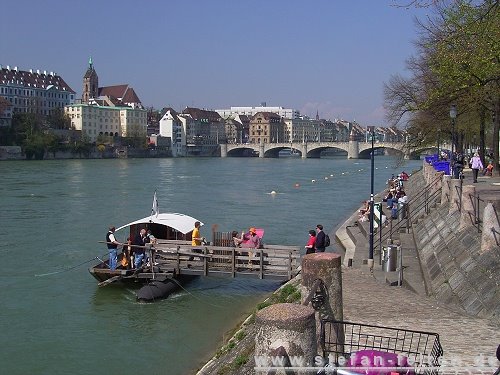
453 116
372 208
438 140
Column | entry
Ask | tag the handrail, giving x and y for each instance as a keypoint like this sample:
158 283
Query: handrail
477 222
404 213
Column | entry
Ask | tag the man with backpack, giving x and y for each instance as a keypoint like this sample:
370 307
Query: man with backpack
322 239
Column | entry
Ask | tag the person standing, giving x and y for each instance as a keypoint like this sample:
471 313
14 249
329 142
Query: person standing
476 165
195 236
112 244
138 248
319 243
310 244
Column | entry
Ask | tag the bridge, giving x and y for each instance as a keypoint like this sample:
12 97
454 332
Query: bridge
354 149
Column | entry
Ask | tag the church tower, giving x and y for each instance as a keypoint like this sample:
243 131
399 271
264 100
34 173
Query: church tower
90 84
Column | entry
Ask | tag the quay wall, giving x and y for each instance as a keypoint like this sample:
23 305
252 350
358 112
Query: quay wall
456 270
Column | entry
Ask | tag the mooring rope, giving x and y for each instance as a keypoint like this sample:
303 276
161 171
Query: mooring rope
192 295
68 269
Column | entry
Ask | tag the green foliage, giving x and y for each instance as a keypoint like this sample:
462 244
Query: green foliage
457 63
58 119
288 294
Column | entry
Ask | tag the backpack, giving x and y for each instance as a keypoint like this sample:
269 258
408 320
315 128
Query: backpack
327 240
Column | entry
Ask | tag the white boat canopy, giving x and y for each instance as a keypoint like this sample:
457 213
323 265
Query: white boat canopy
180 222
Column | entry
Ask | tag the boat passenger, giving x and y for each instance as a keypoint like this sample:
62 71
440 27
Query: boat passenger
251 240
195 236
236 238
112 244
138 248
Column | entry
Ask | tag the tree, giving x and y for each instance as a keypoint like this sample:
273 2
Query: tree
457 63
57 119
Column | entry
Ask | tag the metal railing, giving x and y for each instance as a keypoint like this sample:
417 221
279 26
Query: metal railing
416 207
341 341
478 205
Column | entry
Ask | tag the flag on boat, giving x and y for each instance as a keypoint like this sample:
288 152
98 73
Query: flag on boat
154 209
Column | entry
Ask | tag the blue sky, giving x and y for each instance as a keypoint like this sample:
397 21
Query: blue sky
327 55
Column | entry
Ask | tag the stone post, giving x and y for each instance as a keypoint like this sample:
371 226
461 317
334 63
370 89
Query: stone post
285 330
223 150
304 151
428 169
353 152
445 192
325 267
467 213
490 238
261 150
454 195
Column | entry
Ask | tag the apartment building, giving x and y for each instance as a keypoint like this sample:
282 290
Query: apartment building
38 92
252 111
266 127
107 121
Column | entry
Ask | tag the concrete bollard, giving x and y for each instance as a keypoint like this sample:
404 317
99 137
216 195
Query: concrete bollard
327 268
467 213
285 330
445 192
490 238
454 195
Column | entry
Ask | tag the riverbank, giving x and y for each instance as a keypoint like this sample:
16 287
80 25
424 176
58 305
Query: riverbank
369 299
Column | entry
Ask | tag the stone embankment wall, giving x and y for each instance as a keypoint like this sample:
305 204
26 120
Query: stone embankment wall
462 266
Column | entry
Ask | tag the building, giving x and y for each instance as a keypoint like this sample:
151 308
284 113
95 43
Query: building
32 91
173 128
252 111
107 112
267 127
194 132
117 95
5 112
107 121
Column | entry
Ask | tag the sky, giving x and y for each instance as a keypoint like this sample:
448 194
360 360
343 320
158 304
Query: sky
327 56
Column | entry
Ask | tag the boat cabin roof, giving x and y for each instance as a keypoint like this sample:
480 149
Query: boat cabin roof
179 222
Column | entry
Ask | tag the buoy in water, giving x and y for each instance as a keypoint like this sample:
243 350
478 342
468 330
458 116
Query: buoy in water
297 185
313 180
326 178
273 192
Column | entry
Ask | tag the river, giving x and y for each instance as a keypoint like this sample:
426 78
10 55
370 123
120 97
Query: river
54 318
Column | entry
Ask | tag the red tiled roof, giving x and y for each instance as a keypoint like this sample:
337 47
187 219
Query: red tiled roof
34 80
124 93
198 114
117 91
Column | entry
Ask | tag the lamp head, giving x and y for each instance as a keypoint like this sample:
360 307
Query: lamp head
453 111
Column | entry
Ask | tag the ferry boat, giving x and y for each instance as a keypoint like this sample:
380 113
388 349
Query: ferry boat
172 260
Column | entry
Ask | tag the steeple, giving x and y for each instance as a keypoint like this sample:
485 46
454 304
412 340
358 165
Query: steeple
90 83
317 115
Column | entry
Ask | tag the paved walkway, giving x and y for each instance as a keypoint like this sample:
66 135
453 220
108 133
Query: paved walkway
463 338
368 299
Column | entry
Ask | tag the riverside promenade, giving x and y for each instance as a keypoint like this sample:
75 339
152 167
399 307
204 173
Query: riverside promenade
467 340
